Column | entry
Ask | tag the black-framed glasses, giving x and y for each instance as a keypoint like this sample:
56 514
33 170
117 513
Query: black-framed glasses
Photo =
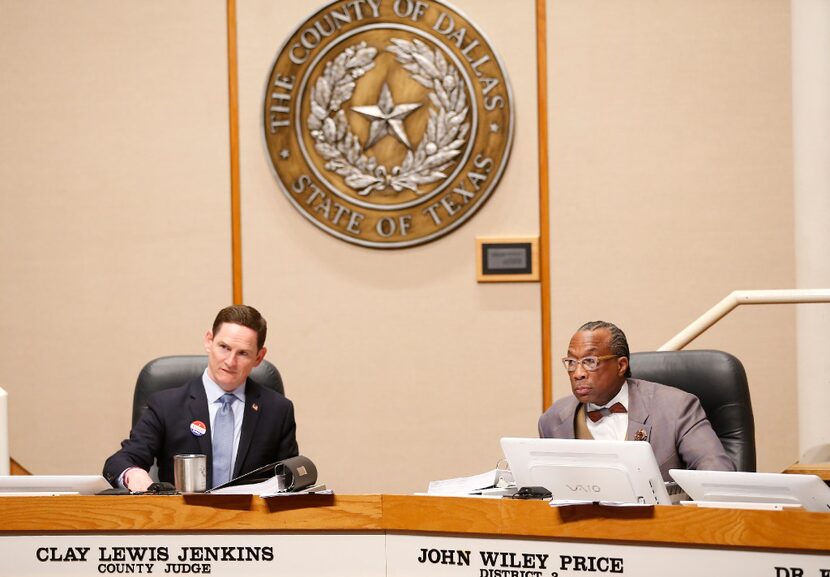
590 363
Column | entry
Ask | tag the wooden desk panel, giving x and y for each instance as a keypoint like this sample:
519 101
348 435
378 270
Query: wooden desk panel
227 513
676 525
730 528
397 536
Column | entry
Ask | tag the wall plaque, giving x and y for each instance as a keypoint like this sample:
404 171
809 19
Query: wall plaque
507 259
388 122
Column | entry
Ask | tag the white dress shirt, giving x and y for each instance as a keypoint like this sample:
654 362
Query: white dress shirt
611 427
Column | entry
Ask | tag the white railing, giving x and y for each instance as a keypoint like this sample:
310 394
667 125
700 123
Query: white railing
754 297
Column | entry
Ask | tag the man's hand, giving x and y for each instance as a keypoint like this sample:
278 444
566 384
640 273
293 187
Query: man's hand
137 480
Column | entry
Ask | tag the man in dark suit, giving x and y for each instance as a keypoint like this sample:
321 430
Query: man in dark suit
608 404
237 424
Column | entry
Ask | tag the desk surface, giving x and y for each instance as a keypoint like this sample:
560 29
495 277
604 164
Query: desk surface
820 469
730 528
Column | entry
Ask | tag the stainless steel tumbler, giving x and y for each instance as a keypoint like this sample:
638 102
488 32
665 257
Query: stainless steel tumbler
190 473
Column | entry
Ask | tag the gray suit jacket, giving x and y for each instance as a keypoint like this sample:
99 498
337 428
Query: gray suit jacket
670 419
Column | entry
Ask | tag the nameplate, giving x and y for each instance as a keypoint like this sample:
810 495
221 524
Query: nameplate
231 555
377 554
434 556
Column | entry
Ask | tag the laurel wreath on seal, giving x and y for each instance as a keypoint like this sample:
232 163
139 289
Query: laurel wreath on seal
446 127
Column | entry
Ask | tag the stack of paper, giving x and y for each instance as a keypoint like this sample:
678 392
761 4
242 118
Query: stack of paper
269 488
478 485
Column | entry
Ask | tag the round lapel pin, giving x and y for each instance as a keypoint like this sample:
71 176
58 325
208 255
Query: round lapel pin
198 428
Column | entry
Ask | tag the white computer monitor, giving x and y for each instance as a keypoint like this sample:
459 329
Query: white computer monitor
574 469
52 485
724 487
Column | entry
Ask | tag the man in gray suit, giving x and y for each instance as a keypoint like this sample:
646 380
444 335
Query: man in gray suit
608 404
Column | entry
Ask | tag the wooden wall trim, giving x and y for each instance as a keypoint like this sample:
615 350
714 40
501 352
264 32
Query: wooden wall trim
544 199
233 116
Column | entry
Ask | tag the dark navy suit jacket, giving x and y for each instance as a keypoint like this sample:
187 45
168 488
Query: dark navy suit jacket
163 430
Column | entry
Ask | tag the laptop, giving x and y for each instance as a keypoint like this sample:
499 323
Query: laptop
31 485
588 470
781 489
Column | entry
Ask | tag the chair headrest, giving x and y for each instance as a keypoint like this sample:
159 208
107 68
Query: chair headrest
173 371
716 377
719 381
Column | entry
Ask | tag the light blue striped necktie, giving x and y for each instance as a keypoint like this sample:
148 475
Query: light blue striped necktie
223 441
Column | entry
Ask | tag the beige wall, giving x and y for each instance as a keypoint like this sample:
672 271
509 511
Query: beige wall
671 183
670 176
114 210
402 367
811 177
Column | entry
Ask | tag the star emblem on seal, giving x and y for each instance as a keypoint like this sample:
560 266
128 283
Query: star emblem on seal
386 117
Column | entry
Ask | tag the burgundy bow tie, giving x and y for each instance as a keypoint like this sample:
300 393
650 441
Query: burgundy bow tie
605 411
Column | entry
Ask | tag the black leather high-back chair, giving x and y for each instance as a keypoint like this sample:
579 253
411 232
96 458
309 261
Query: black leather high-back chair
166 372
716 378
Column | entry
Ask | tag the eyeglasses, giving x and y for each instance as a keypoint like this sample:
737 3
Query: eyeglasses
588 363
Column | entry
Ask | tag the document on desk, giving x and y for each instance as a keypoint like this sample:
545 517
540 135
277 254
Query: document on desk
269 488
463 485
314 490
266 486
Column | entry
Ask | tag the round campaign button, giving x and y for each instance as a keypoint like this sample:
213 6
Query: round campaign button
198 428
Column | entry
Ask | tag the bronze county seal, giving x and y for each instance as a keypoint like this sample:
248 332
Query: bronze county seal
388 122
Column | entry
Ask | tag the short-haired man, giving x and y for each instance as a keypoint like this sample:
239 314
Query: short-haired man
254 425
608 404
